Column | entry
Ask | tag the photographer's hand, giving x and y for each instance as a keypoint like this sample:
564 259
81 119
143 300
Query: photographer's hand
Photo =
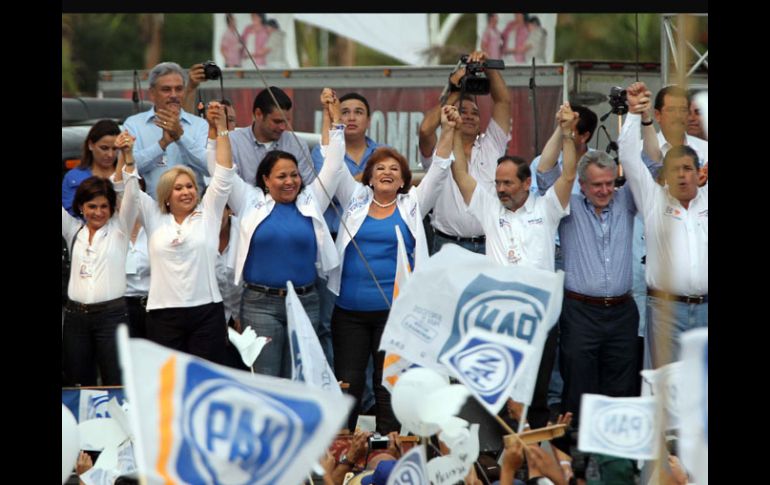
195 76
358 446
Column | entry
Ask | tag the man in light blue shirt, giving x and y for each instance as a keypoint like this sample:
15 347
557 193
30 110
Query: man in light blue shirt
269 132
167 136
599 352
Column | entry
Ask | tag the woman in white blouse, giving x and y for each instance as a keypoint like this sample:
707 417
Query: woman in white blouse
283 237
184 305
96 285
382 200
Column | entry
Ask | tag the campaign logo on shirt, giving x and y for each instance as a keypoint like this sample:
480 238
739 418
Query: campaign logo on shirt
356 203
535 222
673 212
703 213
225 437
260 204
504 222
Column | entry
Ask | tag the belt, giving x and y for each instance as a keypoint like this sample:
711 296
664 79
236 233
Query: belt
76 307
142 300
605 301
474 239
300 290
691 299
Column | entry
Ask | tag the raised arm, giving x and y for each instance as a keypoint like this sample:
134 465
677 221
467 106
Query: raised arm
432 118
325 185
431 185
463 179
567 124
552 148
650 145
639 178
128 212
195 76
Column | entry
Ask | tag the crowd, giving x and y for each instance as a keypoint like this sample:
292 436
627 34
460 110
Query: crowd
182 226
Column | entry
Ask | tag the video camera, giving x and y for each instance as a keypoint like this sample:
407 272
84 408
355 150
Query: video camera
475 81
211 70
618 100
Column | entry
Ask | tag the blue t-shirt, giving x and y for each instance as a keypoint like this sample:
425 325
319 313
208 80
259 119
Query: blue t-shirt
70 184
283 247
377 240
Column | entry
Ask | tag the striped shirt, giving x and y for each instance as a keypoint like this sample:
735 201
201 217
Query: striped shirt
597 249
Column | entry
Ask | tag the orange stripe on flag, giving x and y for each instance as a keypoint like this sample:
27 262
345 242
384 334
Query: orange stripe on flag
390 359
392 380
166 403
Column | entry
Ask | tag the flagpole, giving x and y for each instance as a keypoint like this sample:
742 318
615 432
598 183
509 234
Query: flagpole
510 431
523 417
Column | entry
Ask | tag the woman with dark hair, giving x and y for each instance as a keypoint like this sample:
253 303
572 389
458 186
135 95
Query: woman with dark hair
184 305
99 158
283 237
97 282
382 200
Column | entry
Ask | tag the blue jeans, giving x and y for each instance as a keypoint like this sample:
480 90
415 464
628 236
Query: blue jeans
89 340
266 314
670 319
476 247
326 301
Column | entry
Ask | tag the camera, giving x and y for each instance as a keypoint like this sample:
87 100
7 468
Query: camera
475 81
378 442
211 70
618 100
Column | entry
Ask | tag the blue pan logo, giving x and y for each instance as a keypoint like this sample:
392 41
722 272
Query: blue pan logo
486 367
505 307
410 471
234 434
296 357
623 427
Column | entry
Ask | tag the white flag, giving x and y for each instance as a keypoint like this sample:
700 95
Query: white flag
199 422
395 365
308 361
667 380
694 402
490 365
410 469
619 426
456 290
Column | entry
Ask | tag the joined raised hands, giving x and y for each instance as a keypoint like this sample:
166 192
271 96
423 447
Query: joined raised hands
450 117
639 98
567 118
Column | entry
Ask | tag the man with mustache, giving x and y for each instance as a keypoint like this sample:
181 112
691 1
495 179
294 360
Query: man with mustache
166 135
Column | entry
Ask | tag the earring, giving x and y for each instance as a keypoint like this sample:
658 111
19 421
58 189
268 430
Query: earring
167 204
402 186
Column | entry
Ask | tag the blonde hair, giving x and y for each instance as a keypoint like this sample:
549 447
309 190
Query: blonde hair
166 185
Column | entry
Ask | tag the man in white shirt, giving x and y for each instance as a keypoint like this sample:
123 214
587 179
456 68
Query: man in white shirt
450 221
520 227
676 233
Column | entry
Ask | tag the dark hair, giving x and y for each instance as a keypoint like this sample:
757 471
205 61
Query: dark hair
91 188
229 18
273 23
100 129
265 103
682 151
587 121
267 164
381 154
466 97
534 20
523 171
358 97
674 91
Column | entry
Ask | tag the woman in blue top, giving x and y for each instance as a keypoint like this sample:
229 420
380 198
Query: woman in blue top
99 159
383 200
283 237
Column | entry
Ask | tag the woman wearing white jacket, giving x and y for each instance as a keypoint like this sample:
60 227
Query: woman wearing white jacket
283 237
383 200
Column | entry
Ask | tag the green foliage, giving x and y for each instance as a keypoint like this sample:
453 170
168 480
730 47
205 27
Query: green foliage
188 38
607 37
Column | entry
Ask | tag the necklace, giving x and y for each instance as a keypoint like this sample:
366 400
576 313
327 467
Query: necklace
384 205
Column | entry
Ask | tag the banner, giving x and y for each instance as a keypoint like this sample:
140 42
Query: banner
308 361
490 365
199 422
694 404
619 426
410 469
456 290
